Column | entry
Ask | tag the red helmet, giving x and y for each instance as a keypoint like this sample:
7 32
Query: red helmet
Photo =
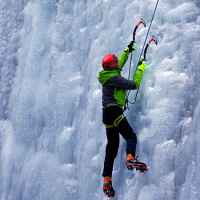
109 62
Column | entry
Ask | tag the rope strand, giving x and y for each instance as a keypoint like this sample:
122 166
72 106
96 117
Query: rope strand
140 57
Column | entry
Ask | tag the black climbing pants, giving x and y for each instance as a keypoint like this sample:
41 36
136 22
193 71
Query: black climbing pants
110 115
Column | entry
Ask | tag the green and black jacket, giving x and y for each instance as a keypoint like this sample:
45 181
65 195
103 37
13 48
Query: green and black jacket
114 86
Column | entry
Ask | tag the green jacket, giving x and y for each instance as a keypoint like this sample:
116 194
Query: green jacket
114 86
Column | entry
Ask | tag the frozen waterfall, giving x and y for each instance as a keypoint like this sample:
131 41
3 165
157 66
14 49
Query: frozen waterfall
52 140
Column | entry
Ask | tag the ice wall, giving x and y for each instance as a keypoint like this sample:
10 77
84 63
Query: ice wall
52 140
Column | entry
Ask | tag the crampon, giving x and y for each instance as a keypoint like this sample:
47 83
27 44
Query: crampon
108 189
135 164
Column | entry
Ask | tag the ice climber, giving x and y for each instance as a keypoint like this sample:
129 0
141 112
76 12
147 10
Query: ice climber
114 88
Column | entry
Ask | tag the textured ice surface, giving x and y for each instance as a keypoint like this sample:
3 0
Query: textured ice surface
52 140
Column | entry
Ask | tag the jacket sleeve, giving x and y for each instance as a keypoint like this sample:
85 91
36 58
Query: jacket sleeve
121 83
138 78
123 58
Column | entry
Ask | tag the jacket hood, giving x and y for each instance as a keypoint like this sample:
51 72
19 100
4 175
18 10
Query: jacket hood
104 75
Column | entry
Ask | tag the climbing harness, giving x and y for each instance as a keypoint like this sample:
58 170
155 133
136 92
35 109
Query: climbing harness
116 122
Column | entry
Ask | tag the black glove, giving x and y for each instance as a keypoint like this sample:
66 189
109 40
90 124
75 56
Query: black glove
131 47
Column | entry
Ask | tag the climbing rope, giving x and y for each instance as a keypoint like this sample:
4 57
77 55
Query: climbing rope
128 92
